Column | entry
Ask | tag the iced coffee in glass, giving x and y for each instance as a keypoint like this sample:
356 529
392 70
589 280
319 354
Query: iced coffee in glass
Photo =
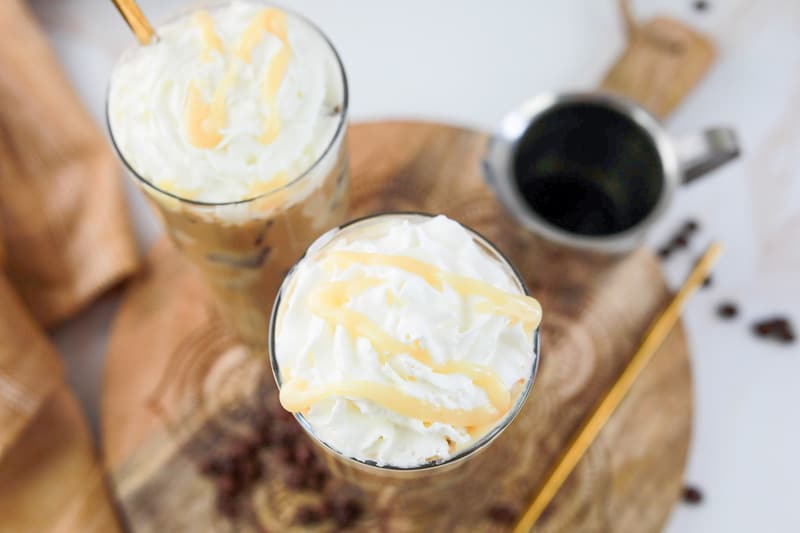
234 125
403 343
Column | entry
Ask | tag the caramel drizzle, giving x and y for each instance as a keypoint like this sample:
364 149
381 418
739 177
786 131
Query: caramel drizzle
210 38
328 301
205 120
517 307
295 396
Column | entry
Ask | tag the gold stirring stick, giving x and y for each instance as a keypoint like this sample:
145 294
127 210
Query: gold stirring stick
133 15
591 427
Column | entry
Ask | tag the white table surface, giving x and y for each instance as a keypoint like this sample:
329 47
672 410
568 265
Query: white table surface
468 63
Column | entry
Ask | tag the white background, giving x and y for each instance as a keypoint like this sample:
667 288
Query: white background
468 62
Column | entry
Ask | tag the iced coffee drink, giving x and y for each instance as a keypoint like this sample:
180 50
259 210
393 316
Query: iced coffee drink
234 125
404 341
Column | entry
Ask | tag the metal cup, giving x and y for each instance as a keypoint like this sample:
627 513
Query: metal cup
595 170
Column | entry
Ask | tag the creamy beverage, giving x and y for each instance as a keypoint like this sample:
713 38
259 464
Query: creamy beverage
234 124
403 340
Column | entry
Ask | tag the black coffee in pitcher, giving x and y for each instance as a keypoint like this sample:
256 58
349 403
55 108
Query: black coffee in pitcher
588 169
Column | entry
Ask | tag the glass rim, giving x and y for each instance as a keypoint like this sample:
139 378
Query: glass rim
476 446
340 127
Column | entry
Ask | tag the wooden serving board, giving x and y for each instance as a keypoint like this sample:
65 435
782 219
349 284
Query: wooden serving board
157 430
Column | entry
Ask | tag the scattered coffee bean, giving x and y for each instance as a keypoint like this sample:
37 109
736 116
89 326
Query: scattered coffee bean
779 329
502 514
680 241
692 495
727 310
307 515
763 329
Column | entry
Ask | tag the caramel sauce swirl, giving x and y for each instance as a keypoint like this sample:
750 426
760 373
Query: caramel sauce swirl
329 301
204 120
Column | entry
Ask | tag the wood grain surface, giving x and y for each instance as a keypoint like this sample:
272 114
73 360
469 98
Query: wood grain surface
178 387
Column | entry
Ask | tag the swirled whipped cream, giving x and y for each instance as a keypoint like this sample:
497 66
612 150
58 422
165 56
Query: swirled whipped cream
230 103
402 341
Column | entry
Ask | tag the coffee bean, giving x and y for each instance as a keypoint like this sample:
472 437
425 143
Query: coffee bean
241 450
692 495
502 514
778 328
680 241
307 515
251 471
303 454
727 310
265 437
316 479
286 454
762 329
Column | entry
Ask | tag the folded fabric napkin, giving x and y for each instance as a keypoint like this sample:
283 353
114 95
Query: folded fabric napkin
50 479
29 367
63 216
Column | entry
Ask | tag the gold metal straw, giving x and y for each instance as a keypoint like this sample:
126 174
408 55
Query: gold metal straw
591 427
133 15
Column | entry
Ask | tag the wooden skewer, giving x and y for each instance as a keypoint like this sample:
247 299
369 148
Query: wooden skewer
591 427
133 15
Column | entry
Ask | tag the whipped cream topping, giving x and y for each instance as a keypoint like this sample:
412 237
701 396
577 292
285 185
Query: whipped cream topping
231 103
402 341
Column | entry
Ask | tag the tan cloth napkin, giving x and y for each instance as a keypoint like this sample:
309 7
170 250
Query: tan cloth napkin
62 212
29 367
50 480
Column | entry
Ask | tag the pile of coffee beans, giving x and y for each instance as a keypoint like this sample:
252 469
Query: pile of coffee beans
236 469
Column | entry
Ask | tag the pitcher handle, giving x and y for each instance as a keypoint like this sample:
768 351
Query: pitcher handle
702 152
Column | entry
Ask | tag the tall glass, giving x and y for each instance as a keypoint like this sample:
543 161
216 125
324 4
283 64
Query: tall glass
422 484
244 248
